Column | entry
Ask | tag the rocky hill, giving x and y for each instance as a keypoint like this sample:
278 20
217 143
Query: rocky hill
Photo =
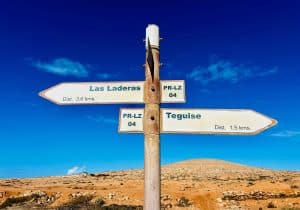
194 184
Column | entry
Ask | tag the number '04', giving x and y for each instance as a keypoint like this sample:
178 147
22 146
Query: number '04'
172 95
131 123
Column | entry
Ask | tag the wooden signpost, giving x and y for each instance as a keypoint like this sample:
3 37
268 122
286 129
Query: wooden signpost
153 120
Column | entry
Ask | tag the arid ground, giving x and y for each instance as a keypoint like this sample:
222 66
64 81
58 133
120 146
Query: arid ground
194 184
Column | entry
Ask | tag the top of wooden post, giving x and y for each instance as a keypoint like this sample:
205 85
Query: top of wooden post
152 35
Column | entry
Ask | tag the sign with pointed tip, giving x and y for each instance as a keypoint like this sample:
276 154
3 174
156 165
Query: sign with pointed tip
76 93
199 121
214 121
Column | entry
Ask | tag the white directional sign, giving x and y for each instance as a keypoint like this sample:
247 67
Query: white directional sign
199 121
214 121
131 120
111 92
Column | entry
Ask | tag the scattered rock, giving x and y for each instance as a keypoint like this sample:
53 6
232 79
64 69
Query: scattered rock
84 174
166 206
183 202
111 195
166 197
219 200
256 195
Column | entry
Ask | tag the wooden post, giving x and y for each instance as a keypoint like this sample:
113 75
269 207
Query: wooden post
152 121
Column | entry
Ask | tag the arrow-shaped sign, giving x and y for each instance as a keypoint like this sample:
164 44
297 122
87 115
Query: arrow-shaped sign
69 93
200 121
214 121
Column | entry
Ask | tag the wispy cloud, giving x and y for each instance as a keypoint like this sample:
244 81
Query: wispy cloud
224 70
106 75
286 133
102 119
63 67
75 170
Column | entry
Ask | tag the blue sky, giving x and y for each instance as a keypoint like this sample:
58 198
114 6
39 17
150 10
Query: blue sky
231 55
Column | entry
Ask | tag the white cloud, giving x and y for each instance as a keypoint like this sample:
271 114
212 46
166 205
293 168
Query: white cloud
102 119
286 133
75 170
223 70
63 67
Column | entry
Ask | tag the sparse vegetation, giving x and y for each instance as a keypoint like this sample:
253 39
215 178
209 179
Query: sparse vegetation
294 186
84 202
100 201
81 200
95 207
251 183
121 207
196 179
17 200
271 205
